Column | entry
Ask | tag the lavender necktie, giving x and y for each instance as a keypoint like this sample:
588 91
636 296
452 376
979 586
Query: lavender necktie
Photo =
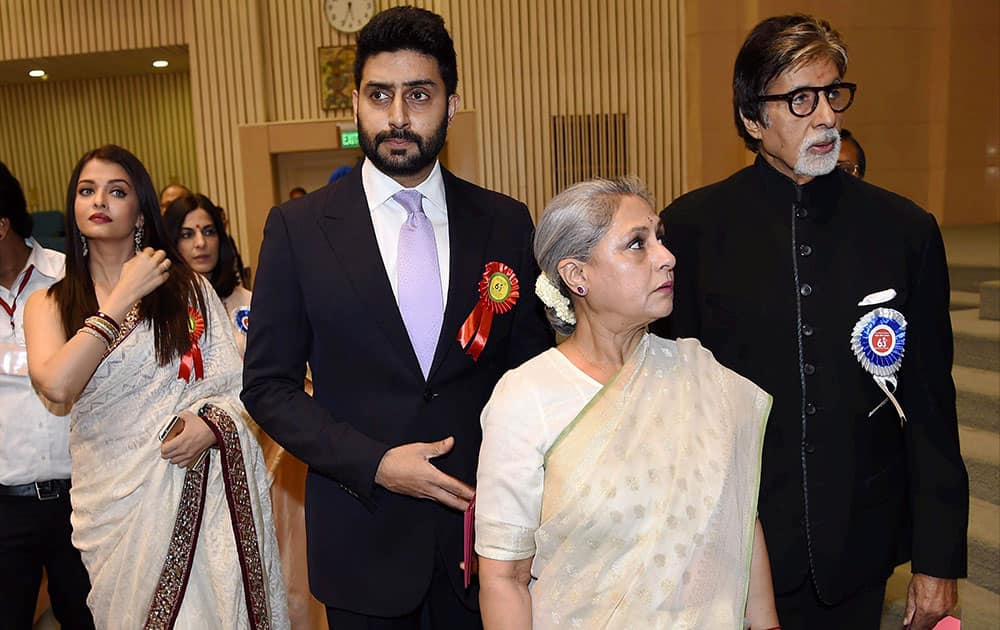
418 279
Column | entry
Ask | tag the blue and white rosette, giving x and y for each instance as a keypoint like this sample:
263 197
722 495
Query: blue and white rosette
878 341
241 317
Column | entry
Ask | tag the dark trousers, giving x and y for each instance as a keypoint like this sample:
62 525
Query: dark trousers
801 609
36 534
441 609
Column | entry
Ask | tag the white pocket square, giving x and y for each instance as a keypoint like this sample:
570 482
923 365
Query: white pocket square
878 297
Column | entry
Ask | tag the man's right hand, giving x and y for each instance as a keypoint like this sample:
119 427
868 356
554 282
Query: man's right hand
407 470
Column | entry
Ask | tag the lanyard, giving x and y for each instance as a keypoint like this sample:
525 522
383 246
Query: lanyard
10 308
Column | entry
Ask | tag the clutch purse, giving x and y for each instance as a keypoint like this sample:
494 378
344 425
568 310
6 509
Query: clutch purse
469 541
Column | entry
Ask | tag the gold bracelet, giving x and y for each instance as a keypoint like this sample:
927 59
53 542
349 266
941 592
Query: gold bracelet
110 320
96 335
101 326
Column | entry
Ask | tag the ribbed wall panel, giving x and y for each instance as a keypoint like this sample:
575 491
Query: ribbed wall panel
50 28
46 127
521 62
225 44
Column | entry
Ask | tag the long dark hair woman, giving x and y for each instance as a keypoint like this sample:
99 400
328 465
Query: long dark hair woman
138 343
195 226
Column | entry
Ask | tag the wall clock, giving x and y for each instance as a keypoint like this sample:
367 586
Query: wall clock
348 16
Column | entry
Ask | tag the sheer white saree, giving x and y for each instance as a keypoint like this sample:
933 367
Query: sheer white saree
649 495
166 547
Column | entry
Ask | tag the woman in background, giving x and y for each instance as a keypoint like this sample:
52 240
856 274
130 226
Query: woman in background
196 226
133 338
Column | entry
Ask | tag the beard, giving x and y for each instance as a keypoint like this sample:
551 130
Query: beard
400 163
816 165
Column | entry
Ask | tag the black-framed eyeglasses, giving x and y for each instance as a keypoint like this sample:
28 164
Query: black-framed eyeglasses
802 102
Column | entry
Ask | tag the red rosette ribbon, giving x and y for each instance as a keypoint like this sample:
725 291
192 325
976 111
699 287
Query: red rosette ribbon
498 293
192 362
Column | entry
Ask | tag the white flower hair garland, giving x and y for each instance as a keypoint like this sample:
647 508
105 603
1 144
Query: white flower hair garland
550 296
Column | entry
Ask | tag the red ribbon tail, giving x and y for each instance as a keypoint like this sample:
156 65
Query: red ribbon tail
184 371
199 365
191 361
482 334
470 325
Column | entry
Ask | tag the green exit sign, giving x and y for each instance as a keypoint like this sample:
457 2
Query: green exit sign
349 140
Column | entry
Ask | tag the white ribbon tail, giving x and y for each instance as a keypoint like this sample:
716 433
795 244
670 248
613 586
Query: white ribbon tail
883 383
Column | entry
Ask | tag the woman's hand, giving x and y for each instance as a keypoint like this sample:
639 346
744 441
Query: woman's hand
142 274
189 444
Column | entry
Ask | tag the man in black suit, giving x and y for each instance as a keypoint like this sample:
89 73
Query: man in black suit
828 292
385 282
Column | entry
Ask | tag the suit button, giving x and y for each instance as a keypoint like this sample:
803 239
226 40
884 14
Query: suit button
801 212
805 250
810 409
806 290
809 447
429 394
807 330
809 369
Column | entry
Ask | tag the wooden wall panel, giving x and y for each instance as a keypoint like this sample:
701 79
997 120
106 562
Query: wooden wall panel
227 86
520 63
46 127
50 28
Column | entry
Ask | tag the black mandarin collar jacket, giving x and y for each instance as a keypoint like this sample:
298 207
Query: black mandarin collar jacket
769 276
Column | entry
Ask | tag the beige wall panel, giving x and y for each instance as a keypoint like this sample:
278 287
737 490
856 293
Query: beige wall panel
49 28
520 63
227 85
48 126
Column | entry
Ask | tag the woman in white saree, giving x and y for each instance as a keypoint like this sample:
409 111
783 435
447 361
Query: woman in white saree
173 534
617 482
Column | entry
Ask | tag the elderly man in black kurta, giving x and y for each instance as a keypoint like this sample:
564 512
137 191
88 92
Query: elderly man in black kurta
819 287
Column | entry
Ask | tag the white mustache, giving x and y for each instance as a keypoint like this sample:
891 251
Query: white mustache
823 137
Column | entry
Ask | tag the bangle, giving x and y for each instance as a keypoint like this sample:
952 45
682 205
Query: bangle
109 319
102 326
95 334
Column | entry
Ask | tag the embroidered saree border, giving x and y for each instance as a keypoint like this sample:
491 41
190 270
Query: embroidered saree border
241 514
176 570
174 576
128 325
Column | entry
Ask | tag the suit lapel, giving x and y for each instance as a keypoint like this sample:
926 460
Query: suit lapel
347 225
469 225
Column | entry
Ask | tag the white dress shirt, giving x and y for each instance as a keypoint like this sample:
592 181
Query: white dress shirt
388 217
34 443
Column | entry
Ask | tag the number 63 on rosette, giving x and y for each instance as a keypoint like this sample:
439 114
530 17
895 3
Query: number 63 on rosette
878 341
498 293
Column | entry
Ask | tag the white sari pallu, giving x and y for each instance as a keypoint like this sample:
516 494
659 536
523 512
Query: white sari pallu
650 498
167 547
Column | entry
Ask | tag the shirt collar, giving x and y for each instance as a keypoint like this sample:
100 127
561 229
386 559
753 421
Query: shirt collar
379 188
47 262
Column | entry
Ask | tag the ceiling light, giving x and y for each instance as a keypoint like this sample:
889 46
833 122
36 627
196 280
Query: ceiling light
161 63
36 74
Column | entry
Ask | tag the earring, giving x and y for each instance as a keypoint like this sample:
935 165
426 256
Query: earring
581 290
138 239
83 244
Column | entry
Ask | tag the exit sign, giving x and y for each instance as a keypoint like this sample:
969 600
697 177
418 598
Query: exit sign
349 139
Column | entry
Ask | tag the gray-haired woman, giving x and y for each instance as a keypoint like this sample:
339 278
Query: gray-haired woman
617 483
